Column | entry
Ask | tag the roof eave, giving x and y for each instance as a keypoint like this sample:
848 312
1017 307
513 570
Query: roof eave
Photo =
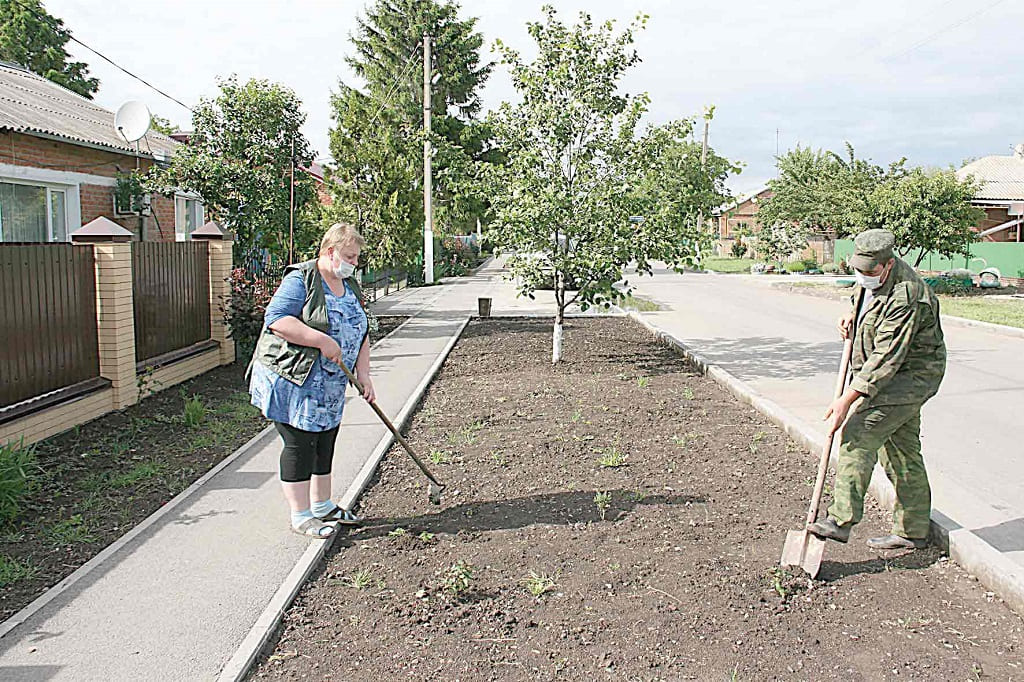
82 143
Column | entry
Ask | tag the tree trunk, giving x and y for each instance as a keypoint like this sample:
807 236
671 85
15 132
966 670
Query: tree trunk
556 339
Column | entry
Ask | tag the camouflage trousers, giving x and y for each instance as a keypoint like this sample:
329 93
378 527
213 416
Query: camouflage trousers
890 434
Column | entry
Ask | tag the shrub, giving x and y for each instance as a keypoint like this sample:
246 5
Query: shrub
810 263
949 285
243 312
830 268
18 469
738 248
795 266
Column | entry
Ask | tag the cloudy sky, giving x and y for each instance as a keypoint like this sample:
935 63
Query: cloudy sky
936 81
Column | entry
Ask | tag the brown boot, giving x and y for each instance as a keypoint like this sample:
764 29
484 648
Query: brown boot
830 530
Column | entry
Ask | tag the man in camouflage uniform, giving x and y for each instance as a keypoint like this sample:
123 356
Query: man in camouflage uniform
899 358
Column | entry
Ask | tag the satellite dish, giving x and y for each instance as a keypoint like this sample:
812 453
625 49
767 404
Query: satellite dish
132 121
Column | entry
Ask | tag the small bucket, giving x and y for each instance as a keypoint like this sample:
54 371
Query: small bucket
483 307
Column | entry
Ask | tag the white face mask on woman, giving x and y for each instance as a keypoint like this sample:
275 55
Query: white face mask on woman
344 269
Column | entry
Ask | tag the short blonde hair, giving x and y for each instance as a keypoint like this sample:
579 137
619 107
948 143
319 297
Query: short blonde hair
340 235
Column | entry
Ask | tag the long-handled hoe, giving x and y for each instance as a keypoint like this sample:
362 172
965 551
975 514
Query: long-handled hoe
802 548
436 487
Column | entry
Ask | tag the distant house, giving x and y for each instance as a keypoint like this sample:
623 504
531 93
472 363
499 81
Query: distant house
1001 195
740 216
316 171
59 159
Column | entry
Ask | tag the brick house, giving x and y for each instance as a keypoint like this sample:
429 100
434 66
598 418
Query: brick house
742 215
59 159
1001 195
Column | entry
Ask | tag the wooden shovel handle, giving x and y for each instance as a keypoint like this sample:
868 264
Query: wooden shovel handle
826 453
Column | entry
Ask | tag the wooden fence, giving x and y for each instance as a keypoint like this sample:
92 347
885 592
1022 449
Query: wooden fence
48 312
171 290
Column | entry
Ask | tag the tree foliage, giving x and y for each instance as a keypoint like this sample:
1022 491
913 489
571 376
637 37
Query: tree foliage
841 195
930 211
377 141
582 194
239 159
33 38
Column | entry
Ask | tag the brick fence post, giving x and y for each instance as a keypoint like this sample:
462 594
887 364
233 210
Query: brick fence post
115 310
220 246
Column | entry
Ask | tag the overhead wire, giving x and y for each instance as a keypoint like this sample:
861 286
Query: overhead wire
950 27
48 20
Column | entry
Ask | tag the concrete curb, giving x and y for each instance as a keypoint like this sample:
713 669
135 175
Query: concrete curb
988 326
947 319
238 665
111 549
994 569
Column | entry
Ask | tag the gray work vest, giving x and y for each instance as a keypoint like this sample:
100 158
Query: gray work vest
290 360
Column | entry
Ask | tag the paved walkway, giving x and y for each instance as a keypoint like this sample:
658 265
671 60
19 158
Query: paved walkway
785 347
175 601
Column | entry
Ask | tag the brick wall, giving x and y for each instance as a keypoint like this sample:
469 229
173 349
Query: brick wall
994 216
96 200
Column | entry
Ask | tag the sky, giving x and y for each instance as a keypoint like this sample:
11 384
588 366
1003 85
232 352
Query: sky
936 81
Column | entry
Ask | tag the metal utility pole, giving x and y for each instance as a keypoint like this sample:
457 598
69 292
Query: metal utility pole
291 206
428 199
703 164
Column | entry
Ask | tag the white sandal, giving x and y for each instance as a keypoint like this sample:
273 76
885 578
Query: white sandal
314 528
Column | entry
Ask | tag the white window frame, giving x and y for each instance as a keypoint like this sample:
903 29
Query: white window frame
180 214
69 182
50 188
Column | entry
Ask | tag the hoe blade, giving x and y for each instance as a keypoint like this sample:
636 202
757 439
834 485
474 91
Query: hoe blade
804 550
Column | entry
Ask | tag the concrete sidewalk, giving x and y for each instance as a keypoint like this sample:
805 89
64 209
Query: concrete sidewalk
175 598
783 346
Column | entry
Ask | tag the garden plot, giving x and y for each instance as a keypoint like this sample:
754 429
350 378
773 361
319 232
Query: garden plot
619 517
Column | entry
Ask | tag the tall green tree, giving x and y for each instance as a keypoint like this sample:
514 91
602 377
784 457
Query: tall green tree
239 159
823 192
927 211
580 196
35 39
387 154
841 195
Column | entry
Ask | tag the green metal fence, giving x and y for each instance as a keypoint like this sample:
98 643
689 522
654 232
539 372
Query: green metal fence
1008 257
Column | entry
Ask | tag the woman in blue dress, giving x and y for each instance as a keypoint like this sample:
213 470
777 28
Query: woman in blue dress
314 322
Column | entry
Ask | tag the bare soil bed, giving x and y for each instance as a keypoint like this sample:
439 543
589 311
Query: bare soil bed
674 578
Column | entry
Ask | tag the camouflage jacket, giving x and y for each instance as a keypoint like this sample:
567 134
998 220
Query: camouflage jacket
899 355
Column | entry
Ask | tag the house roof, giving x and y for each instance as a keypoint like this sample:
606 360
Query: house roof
1002 177
33 105
739 201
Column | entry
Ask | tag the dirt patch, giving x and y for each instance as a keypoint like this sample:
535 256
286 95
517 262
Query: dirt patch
385 325
646 510
100 479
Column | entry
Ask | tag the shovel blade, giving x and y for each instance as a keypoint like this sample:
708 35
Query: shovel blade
804 550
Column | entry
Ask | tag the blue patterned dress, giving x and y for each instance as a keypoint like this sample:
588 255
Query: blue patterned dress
318 404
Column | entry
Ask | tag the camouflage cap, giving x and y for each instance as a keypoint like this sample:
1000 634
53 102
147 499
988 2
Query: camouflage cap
872 248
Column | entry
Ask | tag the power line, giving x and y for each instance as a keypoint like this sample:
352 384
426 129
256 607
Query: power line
46 19
395 86
939 32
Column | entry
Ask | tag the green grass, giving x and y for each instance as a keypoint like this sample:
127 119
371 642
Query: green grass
71 531
728 265
641 305
138 473
996 311
12 570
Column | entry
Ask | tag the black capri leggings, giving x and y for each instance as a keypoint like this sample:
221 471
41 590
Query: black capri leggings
305 453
